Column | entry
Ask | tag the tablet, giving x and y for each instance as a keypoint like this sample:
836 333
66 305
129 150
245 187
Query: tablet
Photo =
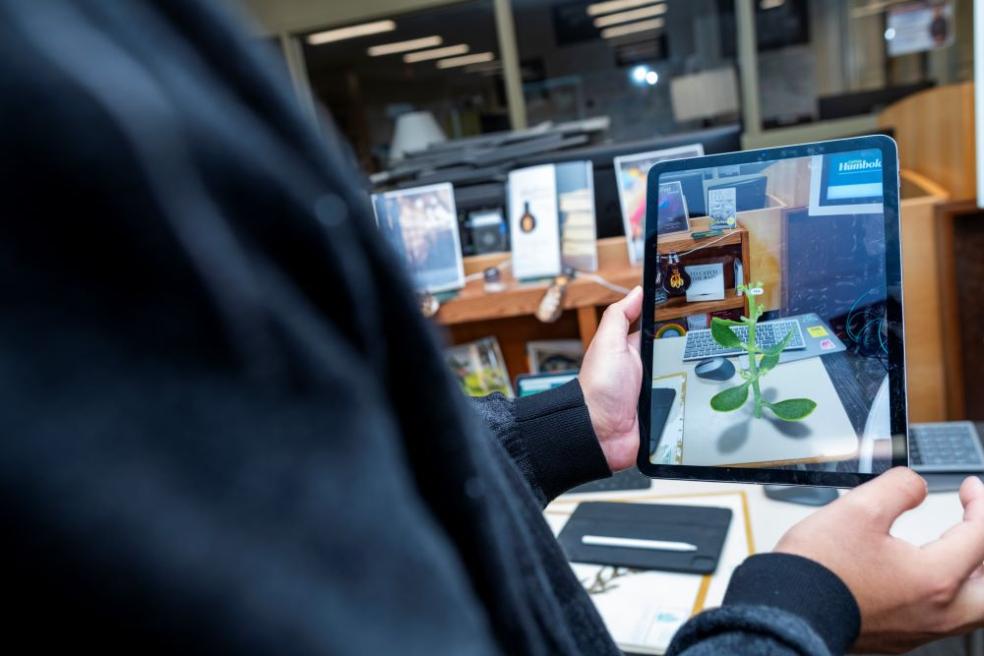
791 369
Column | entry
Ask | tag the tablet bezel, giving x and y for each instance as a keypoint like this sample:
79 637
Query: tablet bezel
893 304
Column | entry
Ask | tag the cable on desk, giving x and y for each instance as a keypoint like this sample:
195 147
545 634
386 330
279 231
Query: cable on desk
595 278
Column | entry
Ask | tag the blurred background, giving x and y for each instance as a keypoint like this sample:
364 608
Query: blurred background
463 92
803 67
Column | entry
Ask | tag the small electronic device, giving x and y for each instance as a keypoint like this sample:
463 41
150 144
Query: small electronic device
487 231
530 384
779 393
945 447
701 344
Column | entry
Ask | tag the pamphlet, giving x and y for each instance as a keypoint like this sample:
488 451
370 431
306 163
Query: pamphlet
534 224
722 204
706 282
552 219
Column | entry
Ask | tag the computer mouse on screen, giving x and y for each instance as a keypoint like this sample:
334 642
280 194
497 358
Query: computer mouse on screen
715 369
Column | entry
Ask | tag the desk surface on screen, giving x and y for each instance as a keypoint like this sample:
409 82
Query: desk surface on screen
714 438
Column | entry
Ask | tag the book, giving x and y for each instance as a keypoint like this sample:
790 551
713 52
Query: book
722 207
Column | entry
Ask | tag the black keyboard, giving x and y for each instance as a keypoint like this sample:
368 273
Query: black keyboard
951 446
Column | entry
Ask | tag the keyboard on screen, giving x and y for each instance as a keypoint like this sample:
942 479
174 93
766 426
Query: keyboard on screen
701 344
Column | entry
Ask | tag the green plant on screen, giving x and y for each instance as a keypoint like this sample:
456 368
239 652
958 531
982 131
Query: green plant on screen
760 363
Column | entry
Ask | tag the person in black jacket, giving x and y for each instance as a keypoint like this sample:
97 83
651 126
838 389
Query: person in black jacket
227 428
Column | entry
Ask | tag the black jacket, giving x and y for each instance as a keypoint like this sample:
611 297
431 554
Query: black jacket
226 428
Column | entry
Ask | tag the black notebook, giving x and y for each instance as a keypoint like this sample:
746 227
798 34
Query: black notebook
703 527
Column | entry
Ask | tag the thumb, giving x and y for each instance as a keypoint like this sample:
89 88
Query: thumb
885 498
619 316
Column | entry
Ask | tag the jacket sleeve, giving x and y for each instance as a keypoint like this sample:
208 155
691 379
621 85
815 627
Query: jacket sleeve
775 604
549 437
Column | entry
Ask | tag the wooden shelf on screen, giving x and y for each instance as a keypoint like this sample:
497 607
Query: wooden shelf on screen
679 307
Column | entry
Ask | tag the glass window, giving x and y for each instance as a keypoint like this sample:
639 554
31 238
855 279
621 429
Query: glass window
653 67
832 59
438 69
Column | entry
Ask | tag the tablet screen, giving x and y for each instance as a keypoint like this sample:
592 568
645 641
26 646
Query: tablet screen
774 341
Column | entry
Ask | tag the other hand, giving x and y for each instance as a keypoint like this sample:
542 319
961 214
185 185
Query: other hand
611 377
908 595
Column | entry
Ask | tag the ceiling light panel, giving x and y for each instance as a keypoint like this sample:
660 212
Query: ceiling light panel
629 16
632 28
599 8
477 58
405 46
351 32
436 53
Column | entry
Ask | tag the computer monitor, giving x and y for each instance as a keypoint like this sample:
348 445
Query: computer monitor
693 190
749 191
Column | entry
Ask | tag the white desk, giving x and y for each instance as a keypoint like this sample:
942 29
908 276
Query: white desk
770 519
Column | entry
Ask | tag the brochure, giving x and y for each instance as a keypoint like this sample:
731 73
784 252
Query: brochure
706 282
722 205
534 223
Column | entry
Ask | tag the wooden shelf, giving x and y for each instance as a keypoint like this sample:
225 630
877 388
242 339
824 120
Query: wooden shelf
521 298
679 307
473 304
508 315
683 241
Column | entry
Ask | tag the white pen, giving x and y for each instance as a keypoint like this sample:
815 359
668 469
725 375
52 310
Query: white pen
636 543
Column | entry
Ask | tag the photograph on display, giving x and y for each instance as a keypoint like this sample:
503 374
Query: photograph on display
422 225
553 355
631 172
799 379
479 367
